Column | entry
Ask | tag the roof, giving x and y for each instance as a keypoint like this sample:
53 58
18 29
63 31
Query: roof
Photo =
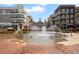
62 6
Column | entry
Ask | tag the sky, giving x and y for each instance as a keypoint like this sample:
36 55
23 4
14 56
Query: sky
40 11
36 10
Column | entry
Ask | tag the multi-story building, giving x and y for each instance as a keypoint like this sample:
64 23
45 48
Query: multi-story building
51 20
12 17
66 16
29 20
40 23
77 16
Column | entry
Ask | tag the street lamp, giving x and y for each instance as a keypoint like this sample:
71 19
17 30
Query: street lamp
66 20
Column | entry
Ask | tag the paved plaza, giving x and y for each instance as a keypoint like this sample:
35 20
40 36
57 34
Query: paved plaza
11 46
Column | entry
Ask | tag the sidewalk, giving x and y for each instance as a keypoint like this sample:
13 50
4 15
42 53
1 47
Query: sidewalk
70 46
71 40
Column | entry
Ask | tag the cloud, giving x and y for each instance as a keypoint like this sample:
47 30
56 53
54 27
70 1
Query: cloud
35 9
43 4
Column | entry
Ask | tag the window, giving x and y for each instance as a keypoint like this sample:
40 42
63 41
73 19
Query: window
76 15
77 11
13 11
4 11
67 20
67 16
63 16
1 11
71 20
7 10
67 10
71 10
17 16
14 16
63 10
71 16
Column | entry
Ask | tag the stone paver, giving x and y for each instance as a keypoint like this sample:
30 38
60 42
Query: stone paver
68 49
8 47
40 49
71 46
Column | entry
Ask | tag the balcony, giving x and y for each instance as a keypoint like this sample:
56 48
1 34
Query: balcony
12 13
57 17
63 17
15 22
17 18
77 17
62 13
76 13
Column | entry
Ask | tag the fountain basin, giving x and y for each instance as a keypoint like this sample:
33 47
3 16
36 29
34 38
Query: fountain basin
40 37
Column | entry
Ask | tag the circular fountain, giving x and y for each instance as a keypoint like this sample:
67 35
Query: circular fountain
41 37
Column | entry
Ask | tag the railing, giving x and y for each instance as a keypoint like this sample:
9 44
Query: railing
12 13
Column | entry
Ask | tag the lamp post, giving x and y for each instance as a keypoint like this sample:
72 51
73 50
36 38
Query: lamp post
59 20
66 20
